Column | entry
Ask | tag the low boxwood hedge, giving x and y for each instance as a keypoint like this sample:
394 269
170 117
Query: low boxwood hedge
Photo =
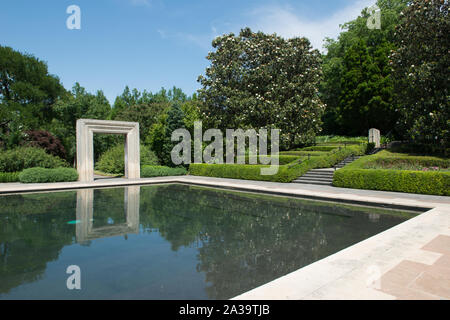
282 159
303 153
240 171
409 160
159 171
425 182
286 173
40 175
9 176
437 183
320 148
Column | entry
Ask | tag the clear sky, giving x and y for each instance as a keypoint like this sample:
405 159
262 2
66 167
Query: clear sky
149 44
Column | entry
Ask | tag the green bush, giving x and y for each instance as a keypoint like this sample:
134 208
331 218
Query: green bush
282 159
9 176
356 176
303 153
411 161
40 175
112 161
240 171
159 171
437 183
17 159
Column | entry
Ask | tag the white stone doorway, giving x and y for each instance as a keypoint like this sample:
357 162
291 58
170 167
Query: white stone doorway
85 146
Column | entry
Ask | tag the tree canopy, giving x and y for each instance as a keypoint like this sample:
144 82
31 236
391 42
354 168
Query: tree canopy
257 80
358 87
27 94
421 66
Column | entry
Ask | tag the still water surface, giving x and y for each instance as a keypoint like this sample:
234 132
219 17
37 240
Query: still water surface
168 241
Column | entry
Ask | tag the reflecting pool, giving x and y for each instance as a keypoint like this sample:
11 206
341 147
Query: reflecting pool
168 241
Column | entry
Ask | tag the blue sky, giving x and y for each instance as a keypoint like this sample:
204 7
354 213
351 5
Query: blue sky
149 44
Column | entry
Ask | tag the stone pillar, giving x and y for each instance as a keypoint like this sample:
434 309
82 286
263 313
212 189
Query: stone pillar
374 136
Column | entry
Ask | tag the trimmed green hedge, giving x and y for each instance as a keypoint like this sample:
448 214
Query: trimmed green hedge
411 160
159 171
282 159
320 148
303 153
17 159
9 176
240 171
286 173
40 175
437 183
425 182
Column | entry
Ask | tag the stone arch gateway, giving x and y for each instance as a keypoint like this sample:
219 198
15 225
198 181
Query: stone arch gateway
85 146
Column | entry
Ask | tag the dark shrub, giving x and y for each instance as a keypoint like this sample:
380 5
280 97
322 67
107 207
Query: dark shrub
45 140
40 175
28 157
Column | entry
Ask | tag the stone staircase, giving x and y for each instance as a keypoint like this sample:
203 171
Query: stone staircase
323 176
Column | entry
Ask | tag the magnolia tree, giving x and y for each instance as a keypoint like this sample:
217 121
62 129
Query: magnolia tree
421 67
258 81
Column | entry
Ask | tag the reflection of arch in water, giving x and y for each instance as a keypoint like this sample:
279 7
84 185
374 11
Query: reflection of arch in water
85 215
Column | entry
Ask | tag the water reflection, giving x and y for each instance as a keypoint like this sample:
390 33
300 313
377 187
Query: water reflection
167 241
85 230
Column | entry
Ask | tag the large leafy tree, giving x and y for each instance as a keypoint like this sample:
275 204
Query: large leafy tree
160 135
366 99
81 104
130 98
146 114
257 80
146 107
421 64
27 94
358 87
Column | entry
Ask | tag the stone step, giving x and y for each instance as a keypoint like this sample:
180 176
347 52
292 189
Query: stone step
313 174
322 183
322 173
306 176
323 176
303 178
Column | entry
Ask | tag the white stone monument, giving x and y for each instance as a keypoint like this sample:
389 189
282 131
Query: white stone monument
85 146
374 136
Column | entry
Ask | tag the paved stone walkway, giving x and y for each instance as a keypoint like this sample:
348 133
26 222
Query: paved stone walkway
427 280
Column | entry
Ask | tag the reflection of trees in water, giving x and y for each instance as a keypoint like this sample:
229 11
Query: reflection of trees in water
246 240
243 240
33 230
